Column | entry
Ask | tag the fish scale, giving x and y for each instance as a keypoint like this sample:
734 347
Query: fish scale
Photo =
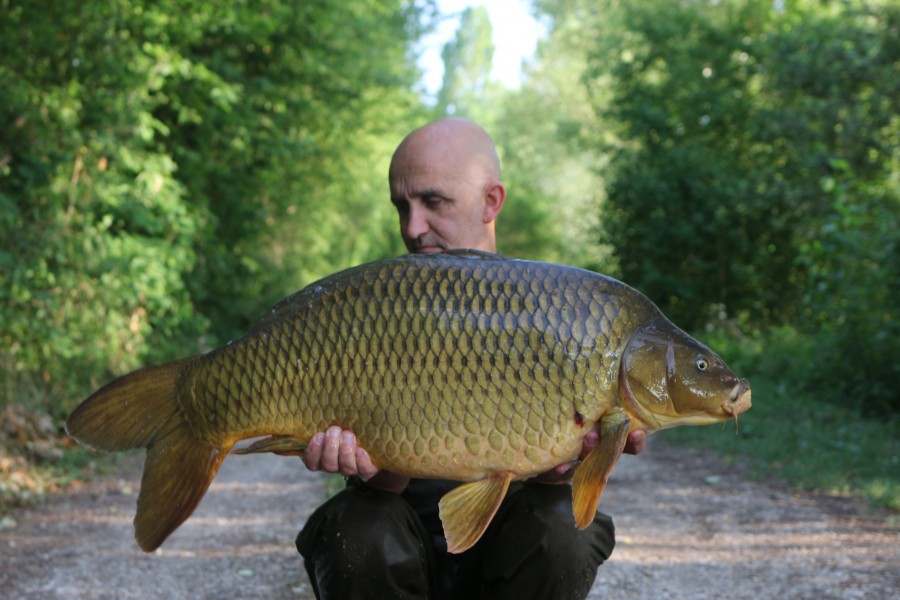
465 366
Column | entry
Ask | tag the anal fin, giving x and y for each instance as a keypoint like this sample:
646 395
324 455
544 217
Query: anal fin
591 475
467 510
283 445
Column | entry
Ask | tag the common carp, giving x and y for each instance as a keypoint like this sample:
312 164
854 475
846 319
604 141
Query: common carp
465 365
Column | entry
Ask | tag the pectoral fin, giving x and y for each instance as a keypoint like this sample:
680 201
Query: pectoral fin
467 510
591 475
283 445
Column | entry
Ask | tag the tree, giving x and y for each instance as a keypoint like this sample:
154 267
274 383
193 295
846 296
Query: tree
165 165
552 169
468 58
723 124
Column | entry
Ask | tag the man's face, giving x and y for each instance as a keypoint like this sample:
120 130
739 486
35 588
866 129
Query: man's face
441 206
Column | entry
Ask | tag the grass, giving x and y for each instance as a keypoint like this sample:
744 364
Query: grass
808 443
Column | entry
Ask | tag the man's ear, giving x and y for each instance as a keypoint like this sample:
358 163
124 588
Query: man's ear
494 196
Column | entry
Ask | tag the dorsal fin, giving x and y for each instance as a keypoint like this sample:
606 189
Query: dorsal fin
472 253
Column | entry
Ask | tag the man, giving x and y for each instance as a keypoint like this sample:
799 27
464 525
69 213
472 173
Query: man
381 537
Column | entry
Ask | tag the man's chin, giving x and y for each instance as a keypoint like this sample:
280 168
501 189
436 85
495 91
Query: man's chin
427 249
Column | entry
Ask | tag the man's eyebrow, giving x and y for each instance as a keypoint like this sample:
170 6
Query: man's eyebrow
428 192
422 193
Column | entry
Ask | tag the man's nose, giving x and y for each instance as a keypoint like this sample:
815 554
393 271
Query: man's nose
416 222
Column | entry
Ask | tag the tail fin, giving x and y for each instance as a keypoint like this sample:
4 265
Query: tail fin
141 410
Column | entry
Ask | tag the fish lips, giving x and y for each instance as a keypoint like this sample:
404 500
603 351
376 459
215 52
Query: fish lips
740 400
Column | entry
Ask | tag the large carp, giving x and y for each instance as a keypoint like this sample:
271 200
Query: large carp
465 365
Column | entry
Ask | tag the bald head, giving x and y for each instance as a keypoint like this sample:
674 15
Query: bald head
451 141
445 183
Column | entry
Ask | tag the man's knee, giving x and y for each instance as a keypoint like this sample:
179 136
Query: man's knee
365 540
533 549
542 516
361 518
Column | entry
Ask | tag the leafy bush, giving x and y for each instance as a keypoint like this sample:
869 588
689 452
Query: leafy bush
166 166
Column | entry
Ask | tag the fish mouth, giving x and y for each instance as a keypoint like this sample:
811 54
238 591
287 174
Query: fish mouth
740 399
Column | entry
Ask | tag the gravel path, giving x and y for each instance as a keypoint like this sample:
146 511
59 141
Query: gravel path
688 528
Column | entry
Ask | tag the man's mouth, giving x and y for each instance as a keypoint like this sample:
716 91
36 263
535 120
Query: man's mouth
427 248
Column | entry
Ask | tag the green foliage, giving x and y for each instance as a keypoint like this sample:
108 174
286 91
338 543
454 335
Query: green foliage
851 299
95 230
467 69
168 170
544 132
684 204
727 118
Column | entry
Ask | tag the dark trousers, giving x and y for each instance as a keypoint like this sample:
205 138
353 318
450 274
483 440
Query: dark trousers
364 543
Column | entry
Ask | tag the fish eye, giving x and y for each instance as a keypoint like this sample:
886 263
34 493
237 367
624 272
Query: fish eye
702 363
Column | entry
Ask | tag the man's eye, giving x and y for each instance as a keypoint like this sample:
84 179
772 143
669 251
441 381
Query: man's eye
431 201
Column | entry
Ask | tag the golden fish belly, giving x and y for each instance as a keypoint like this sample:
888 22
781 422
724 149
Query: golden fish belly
484 366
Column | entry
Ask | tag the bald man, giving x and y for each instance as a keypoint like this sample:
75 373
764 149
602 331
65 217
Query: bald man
445 184
381 537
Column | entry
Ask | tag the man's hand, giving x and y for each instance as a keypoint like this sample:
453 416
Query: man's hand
335 451
635 444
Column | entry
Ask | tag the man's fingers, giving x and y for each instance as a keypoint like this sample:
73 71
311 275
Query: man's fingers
637 442
336 451
347 454
313 453
564 468
591 439
329 459
365 468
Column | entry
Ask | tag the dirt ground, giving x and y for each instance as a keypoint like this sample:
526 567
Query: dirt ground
688 527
